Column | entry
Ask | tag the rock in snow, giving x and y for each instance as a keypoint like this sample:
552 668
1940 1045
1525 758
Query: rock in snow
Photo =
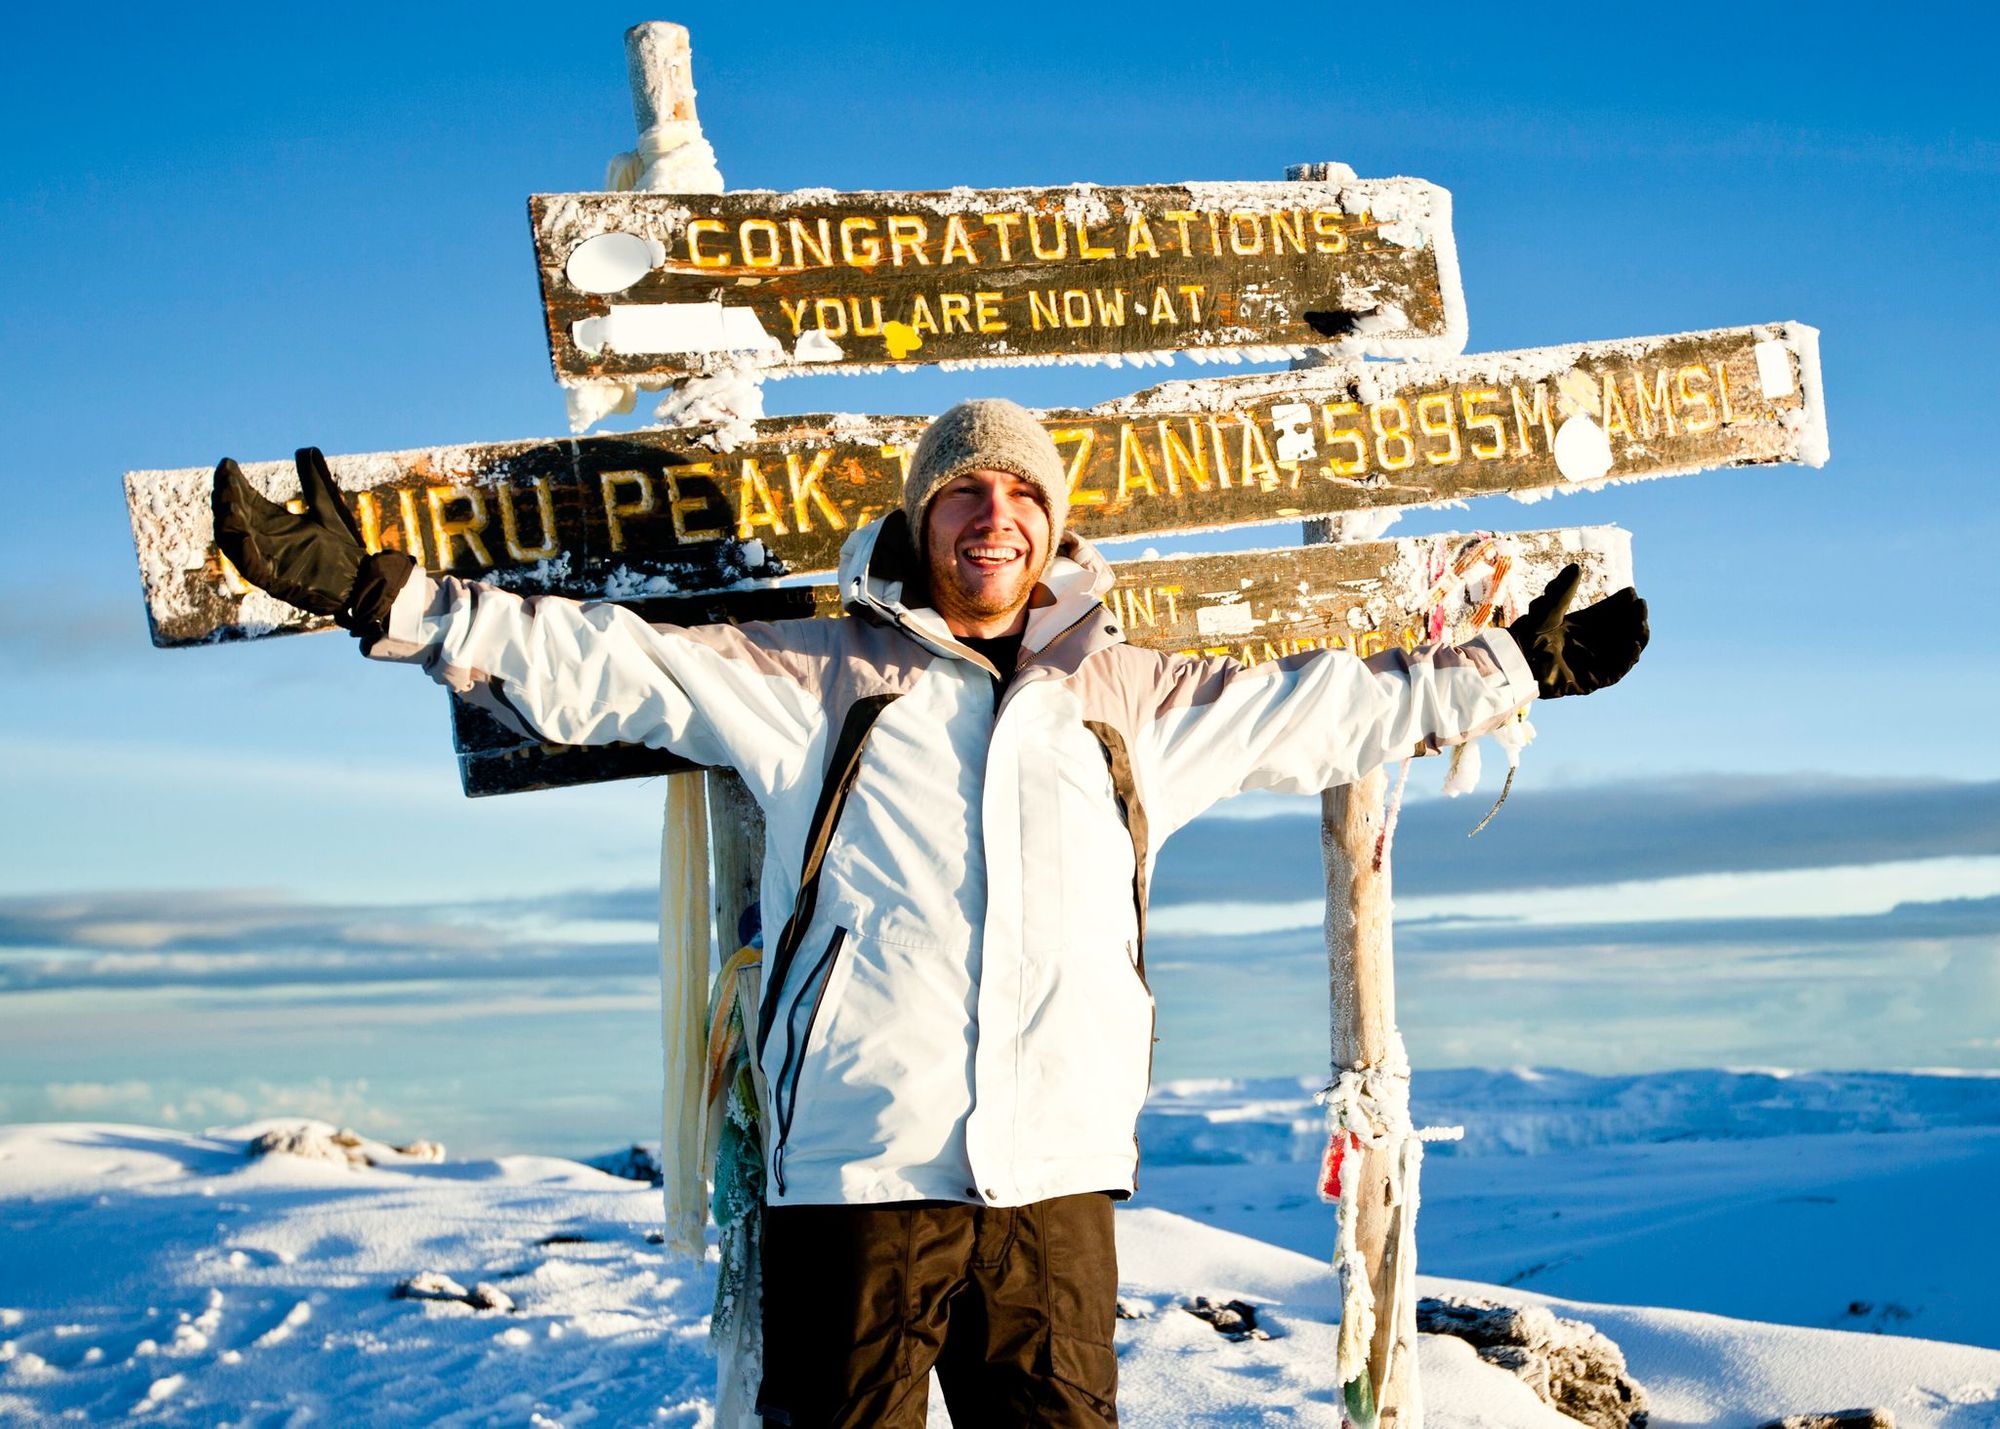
1567 1363
1839 1419
317 1141
634 1163
1233 1319
429 1285
435 1285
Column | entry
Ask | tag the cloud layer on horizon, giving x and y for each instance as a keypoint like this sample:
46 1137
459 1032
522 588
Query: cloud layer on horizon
477 1018
1909 986
1613 833
219 938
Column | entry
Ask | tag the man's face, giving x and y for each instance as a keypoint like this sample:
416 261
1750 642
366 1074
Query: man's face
987 538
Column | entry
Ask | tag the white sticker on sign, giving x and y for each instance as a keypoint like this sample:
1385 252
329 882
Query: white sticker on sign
613 262
1294 421
1774 369
816 346
1583 451
1235 618
651 328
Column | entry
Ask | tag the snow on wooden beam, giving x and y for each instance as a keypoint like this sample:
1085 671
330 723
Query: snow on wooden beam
679 512
1250 606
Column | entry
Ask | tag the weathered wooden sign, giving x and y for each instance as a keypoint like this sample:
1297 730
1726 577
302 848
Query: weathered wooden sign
672 285
660 513
1251 606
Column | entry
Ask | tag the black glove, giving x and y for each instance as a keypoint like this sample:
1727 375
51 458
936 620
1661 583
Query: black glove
1575 654
315 561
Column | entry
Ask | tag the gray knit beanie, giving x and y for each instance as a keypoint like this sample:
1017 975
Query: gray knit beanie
987 433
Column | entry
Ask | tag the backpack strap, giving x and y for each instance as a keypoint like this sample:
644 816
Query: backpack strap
842 765
1118 759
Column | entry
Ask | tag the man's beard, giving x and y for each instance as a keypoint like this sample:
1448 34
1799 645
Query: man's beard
986 602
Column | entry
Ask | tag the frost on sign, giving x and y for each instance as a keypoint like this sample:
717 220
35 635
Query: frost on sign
667 285
682 511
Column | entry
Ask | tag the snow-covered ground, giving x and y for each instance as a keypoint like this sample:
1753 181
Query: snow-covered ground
161 1276
1837 1200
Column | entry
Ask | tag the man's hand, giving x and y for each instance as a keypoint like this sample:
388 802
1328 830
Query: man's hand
1575 654
315 561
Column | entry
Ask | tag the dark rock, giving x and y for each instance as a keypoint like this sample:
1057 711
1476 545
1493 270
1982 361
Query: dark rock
342 1146
1882 1318
1837 1419
1568 1364
1233 1319
1523 1363
435 1285
490 1297
311 1143
634 1163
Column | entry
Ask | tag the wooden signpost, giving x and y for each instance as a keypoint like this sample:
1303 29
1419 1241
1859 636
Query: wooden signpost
677 511
693 525
674 285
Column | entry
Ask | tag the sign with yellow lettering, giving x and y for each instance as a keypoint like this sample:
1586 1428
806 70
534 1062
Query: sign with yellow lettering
1247 606
672 285
678 512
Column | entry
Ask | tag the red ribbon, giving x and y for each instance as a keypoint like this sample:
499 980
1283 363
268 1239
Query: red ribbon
1337 1147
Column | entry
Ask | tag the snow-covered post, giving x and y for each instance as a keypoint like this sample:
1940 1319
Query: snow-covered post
1370 1076
672 156
1368 1062
659 61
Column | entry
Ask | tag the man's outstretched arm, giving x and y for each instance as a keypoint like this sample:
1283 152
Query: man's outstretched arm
568 671
1322 718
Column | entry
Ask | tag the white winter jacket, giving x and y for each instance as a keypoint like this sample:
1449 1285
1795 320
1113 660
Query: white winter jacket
957 1009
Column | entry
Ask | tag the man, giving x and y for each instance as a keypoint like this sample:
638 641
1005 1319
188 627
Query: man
964 787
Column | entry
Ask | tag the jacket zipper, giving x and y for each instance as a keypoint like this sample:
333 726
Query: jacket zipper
786 1093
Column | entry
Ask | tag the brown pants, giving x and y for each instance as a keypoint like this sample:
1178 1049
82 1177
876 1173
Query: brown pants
1014 1307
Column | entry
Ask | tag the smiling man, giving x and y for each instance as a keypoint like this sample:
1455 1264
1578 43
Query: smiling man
964 788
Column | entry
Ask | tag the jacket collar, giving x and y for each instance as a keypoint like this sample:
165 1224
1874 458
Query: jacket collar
880 578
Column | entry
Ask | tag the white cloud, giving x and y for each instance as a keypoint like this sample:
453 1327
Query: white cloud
96 1098
1855 891
185 1105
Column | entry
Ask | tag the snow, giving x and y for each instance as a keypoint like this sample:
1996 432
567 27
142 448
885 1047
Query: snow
1840 1200
177 1278
732 400
1811 429
588 403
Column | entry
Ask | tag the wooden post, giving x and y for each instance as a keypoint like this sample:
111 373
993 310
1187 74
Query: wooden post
1362 979
659 61
1361 969
736 853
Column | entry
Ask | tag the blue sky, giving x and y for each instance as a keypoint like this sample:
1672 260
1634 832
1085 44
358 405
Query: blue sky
239 229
